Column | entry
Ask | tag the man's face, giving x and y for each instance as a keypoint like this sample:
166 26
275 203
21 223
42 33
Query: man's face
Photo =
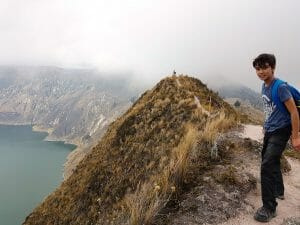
265 73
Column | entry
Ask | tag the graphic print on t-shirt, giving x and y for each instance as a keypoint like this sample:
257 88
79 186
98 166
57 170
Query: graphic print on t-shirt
269 106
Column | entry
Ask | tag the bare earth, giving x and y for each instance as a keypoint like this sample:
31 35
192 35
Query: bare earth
290 207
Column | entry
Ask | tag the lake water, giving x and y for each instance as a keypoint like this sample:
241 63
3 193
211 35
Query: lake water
30 169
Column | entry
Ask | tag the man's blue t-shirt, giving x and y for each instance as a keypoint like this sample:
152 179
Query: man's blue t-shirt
274 118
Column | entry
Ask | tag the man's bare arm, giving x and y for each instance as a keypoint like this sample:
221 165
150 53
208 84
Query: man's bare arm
291 107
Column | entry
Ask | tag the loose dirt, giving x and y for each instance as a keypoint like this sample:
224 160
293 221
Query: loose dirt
288 210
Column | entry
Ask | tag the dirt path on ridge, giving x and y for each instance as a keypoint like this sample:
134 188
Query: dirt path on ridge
288 208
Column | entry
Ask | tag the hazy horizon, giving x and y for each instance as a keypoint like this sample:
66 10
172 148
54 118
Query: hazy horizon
148 40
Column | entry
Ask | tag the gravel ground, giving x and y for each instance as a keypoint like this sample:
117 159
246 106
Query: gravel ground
288 210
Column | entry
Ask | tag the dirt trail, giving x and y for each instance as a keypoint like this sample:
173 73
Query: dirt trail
290 207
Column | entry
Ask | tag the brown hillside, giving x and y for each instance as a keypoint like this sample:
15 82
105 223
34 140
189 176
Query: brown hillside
144 161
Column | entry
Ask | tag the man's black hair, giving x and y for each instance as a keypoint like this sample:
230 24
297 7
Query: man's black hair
263 59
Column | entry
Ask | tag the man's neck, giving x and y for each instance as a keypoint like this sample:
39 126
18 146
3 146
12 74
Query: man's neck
269 81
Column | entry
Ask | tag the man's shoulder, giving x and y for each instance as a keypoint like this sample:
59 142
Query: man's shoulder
283 87
279 86
281 93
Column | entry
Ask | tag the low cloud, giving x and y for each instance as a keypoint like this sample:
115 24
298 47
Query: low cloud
204 38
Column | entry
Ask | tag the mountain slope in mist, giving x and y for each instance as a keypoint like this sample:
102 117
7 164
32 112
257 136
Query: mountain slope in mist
148 158
71 104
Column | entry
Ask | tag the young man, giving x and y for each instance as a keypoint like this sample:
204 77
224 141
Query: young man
278 127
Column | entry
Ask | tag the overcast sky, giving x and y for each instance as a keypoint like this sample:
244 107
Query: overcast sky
148 39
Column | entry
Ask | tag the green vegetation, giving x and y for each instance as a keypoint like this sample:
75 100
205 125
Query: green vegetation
292 153
237 104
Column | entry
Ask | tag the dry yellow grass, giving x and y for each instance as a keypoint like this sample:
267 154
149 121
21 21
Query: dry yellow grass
180 158
218 124
144 203
150 197
141 161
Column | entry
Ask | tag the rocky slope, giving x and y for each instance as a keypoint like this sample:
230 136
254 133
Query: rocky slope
248 113
287 213
71 104
245 94
165 146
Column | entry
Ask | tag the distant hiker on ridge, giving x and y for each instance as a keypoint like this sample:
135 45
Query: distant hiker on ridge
281 122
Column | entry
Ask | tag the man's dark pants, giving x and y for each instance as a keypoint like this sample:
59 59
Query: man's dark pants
271 176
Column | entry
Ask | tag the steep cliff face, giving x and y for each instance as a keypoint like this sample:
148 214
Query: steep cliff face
146 156
71 104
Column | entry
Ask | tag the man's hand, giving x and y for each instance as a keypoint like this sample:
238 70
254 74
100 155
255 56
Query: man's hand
296 143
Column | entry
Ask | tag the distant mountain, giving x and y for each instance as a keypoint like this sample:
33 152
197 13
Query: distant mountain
74 105
230 88
248 113
246 101
242 92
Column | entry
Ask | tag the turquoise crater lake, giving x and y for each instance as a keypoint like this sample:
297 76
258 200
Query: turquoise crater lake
30 169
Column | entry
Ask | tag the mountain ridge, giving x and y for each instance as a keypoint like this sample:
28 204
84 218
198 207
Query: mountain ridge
149 144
